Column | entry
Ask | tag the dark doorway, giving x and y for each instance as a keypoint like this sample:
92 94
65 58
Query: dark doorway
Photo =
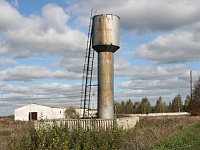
32 116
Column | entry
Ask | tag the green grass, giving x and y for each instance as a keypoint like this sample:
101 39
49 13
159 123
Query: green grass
187 139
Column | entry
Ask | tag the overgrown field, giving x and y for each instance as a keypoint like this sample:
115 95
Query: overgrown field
12 131
187 139
152 130
147 133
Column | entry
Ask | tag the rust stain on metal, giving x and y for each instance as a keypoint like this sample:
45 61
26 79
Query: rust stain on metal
104 31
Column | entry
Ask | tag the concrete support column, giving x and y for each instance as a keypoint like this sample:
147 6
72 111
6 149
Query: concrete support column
105 85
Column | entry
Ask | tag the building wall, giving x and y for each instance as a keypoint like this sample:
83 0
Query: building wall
43 112
92 113
127 122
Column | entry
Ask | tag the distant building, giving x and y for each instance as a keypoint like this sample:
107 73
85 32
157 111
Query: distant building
40 111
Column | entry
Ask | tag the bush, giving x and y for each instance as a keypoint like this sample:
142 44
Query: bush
59 137
71 113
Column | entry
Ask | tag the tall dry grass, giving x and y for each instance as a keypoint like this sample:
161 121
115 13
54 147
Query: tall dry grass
152 130
10 131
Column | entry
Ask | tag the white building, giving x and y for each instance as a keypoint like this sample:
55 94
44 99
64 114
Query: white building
40 111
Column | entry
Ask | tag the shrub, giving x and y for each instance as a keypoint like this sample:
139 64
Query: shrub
60 137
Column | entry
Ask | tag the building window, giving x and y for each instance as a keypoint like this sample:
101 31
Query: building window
60 112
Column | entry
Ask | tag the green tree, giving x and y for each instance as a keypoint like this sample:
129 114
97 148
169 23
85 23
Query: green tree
71 113
136 107
160 107
169 107
129 107
117 107
177 105
122 109
186 104
194 104
145 106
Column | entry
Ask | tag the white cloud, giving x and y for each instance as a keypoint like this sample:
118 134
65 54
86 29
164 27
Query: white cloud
51 33
2 83
153 72
142 16
24 73
54 93
180 16
121 64
156 84
28 36
7 62
34 73
56 87
55 17
14 89
9 18
153 82
171 48
63 74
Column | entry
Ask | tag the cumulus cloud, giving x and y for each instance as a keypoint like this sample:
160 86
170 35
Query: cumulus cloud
28 36
2 83
55 17
156 84
54 93
24 73
51 33
143 16
155 81
171 48
7 62
44 91
14 89
153 72
34 73
121 64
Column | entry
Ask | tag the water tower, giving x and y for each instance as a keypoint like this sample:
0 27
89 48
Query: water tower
105 41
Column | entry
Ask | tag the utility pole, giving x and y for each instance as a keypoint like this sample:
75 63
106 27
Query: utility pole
190 84
93 101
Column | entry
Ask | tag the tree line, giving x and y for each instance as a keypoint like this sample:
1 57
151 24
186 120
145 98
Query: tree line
144 107
191 105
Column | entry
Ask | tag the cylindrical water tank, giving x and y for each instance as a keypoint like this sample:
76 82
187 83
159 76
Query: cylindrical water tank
105 40
105 33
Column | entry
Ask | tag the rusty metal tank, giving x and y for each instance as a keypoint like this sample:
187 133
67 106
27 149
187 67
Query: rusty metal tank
105 41
105 36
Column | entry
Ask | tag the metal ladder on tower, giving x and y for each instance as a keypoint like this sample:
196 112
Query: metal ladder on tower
87 73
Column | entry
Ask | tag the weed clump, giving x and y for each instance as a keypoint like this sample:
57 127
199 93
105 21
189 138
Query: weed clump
61 138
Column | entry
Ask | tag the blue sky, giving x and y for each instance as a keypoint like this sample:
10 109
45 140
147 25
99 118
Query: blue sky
42 48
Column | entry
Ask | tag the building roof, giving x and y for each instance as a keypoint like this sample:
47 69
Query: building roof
57 106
